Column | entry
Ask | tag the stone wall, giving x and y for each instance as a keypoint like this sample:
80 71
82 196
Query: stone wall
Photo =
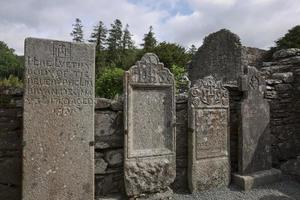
10 144
223 56
108 145
253 56
283 92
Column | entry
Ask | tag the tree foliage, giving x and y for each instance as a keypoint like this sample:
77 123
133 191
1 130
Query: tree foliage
172 54
290 40
127 42
10 64
180 75
77 32
110 82
11 81
114 42
149 41
98 37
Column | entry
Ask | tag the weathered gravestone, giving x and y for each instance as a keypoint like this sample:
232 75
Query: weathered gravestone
254 160
149 124
220 56
58 151
209 165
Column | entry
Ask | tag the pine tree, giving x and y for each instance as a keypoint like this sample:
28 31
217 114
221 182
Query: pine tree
77 32
149 41
114 42
98 36
128 54
127 42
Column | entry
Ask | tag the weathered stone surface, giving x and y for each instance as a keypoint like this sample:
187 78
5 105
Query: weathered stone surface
117 103
108 129
102 103
219 56
209 165
292 167
114 157
10 140
253 56
10 170
111 183
8 192
284 53
58 154
254 131
285 77
149 121
100 166
249 181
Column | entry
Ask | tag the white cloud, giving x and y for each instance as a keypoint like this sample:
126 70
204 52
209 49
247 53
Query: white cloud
53 19
257 22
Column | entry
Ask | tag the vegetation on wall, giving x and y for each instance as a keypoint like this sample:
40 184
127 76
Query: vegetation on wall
290 40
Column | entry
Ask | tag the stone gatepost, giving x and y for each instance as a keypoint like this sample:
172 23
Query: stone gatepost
208 136
149 121
58 138
254 145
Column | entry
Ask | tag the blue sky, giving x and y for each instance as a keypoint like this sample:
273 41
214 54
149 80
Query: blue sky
258 22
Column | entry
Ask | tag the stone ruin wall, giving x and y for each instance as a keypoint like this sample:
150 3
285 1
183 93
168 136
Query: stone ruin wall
108 145
282 76
283 92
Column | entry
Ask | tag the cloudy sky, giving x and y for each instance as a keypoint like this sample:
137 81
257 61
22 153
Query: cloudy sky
258 22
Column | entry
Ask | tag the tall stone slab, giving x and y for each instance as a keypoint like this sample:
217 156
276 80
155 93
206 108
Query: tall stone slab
254 137
221 56
254 145
58 138
149 123
208 107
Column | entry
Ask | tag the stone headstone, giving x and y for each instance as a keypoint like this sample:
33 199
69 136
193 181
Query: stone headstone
219 56
209 165
254 145
58 138
254 131
149 121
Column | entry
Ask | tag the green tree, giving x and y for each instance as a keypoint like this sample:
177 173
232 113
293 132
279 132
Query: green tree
114 42
98 36
149 41
110 82
127 42
172 54
180 75
290 40
10 63
129 52
77 32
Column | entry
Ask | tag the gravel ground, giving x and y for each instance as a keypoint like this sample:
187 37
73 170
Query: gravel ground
284 190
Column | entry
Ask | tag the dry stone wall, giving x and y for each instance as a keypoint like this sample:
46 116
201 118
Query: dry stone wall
108 145
10 143
283 92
